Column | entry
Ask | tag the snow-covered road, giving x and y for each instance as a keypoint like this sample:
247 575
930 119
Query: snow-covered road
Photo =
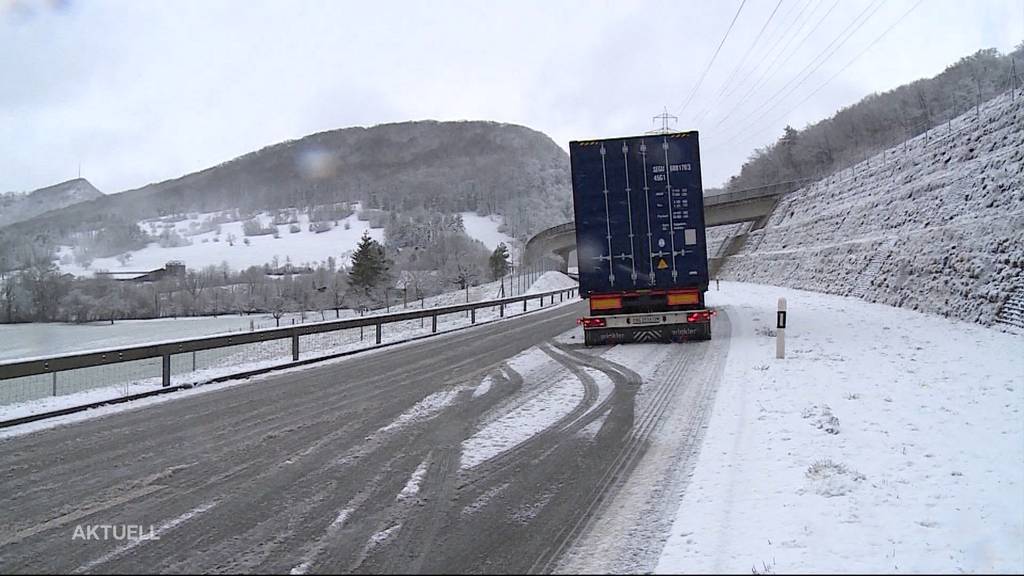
483 449
886 441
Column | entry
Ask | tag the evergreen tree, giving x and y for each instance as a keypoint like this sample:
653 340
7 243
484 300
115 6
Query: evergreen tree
370 267
499 261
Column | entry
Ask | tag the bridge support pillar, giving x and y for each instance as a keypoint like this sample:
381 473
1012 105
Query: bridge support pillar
563 254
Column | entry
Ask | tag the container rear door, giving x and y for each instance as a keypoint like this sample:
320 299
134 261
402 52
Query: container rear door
639 210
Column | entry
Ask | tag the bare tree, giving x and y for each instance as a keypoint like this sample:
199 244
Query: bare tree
194 283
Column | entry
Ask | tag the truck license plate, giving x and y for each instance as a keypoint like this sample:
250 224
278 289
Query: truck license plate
645 320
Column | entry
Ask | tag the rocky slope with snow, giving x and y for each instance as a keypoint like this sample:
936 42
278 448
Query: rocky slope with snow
935 224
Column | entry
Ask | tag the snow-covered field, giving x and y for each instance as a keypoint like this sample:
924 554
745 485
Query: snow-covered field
886 441
302 247
49 338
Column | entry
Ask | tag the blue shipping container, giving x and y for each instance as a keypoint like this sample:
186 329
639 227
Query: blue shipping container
639 208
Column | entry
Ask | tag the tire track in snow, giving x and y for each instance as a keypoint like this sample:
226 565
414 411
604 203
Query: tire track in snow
628 546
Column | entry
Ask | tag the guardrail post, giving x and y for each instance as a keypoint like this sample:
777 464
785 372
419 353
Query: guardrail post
524 304
54 383
166 371
295 347
501 310
472 316
379 325
433 323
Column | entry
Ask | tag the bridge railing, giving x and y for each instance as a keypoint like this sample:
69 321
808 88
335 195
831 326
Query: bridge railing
773 189
148 369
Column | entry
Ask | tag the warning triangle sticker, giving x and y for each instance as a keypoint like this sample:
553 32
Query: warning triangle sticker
662 264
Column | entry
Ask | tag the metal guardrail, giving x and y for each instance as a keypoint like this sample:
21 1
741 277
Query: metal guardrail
165 350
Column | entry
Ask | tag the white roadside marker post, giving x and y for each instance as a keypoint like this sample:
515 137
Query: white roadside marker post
780 330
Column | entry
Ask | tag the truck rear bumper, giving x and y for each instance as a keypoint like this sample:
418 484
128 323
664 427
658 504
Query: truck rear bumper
655 327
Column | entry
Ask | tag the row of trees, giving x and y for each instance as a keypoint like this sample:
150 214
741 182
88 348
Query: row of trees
881 120
43 294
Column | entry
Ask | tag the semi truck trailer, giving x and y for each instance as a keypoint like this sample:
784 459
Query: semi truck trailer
640 238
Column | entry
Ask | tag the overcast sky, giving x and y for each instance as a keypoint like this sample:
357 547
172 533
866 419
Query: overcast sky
142 91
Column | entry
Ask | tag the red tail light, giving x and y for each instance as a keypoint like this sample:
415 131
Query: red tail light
592 322
701 316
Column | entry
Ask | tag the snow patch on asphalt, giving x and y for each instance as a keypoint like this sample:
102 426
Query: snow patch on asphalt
412 487
605 387
526 513
590 430
484 387
423 410
149 536
382 536
484 499
342 517
531 417
529 361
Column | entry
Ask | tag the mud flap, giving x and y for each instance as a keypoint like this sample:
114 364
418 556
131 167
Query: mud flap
664 334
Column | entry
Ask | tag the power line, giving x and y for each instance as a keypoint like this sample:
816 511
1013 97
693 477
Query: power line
785 34
771 69
826 82
774 100
824 56
712 61
820 59
739 64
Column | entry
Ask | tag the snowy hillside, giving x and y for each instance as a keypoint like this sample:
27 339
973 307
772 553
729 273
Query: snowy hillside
302 247
485 229
936 225
446 167
18 207
212 248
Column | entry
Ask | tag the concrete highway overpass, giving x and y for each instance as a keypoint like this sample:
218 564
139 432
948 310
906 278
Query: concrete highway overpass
753 205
